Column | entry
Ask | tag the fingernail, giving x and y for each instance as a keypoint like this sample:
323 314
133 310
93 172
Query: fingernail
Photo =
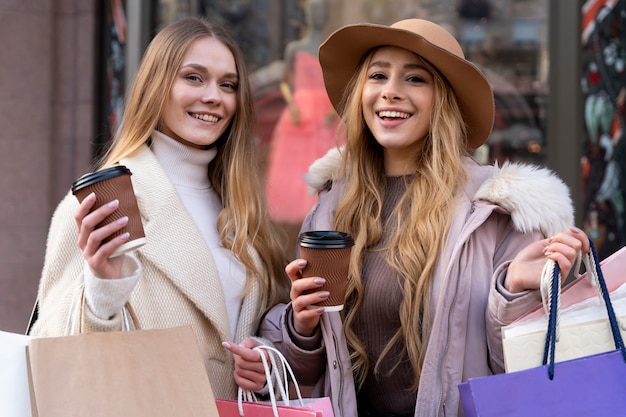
319 281
113 203
302 262
122 220
323 294
226 345
124 236
575 229
91 196
320 310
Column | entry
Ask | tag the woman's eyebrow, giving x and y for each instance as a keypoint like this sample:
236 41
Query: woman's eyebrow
203 69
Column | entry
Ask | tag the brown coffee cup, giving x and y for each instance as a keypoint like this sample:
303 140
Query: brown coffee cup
110 184
328 256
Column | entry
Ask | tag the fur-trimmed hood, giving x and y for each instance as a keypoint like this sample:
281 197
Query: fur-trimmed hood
535 197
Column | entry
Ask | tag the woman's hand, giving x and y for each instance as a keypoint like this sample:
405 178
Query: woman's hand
524 272
306 315
90 238
249 371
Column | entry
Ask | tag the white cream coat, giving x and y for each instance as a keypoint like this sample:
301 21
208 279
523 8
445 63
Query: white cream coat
179 284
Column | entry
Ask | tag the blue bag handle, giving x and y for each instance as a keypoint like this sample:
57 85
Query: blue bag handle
550 346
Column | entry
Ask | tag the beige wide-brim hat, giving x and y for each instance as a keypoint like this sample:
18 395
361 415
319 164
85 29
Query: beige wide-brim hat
341 54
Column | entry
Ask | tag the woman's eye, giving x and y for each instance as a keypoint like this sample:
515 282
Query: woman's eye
416 79
377 76
230 86
193 77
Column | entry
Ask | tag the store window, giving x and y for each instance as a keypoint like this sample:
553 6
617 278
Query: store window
509 43
506 38
603 40
112 86
260 27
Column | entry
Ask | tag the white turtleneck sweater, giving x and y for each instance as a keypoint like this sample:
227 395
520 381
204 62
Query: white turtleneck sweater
187 169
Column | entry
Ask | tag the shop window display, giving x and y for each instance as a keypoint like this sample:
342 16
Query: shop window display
604 95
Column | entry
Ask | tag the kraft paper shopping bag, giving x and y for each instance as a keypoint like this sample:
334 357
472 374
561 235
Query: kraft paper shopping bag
140 373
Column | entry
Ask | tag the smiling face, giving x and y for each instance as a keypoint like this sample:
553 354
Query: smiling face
203 98
397 98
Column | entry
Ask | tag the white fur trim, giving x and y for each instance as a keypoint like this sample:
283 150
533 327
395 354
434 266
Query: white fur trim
535 197
323 170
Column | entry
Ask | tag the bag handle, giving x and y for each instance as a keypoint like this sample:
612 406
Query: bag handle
595 273
276 358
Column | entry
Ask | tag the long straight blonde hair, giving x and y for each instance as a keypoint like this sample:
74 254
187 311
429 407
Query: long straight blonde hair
234 173
422 217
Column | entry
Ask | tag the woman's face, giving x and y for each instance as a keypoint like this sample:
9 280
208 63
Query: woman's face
203 98
397 99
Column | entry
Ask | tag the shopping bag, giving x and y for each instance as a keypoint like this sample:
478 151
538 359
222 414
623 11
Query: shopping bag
590 386
583 325
14 392
151 373
230 408
247 404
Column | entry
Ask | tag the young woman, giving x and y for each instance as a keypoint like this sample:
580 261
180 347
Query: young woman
212 259
446 251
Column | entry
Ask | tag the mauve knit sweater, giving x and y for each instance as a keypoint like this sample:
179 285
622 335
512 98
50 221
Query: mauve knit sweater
378 319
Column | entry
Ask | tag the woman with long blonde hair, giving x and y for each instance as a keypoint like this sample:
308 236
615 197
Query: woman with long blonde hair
446 251
211 259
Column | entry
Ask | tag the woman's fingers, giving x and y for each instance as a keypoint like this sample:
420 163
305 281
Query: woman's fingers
249 371
564 248
91 236
294 269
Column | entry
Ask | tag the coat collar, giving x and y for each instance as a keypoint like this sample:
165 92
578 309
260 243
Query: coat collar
175 245
535 197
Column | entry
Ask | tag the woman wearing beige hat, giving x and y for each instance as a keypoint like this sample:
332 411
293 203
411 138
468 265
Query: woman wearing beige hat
446 251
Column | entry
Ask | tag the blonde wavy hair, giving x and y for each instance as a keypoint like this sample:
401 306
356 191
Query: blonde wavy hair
423 215
243 220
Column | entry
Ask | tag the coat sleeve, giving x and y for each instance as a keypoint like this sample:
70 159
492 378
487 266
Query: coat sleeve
504 307
60 294
307 356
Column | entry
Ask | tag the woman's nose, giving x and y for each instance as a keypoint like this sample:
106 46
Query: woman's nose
391 92
211 94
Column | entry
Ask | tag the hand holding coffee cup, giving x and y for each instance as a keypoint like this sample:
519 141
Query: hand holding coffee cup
107 185
328 256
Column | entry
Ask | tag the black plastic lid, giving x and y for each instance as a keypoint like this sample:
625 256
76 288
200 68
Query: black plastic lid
324 239
94 177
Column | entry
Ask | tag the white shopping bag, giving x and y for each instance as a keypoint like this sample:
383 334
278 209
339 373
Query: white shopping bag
584 328
15 395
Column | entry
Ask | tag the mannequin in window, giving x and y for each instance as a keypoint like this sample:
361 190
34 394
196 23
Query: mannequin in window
307 127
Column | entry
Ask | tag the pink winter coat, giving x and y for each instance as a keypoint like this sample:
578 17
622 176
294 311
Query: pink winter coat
500 211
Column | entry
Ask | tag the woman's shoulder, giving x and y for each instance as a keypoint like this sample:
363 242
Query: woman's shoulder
324 171
534 196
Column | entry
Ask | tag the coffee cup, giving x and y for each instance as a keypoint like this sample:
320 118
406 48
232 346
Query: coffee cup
328 256
109 184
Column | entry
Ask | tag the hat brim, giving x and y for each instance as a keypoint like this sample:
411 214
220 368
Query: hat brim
341 54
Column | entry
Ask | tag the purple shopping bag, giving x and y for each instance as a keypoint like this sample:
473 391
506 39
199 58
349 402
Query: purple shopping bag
590 386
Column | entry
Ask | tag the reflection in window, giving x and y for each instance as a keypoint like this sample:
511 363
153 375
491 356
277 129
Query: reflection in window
507 39
603 85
